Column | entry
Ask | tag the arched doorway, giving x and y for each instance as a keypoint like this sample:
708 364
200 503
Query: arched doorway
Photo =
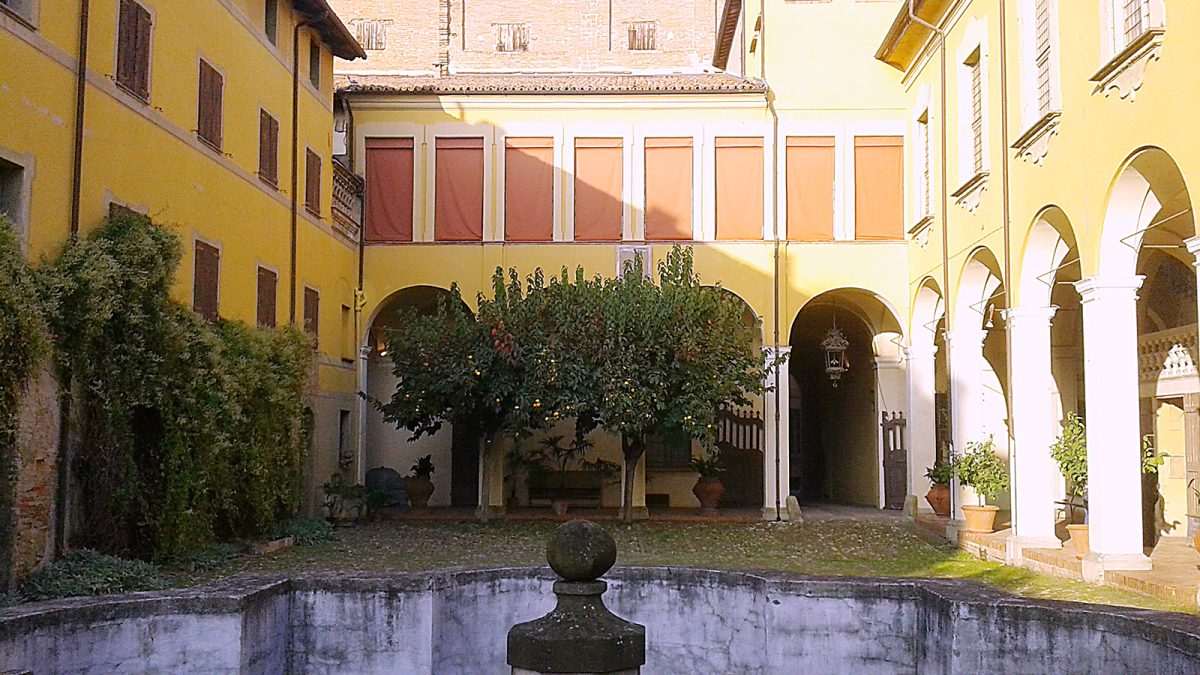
928 391
836 452
454 449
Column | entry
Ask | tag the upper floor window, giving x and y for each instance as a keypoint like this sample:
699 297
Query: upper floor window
271 21
210 105
974 67
268 147
133 49
643 36
206 274
1044 52
924 165
24 9
1135 19
371 33
512 37
312 308
312 182
268 283
314 62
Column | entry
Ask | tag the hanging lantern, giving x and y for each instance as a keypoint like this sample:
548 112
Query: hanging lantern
835 345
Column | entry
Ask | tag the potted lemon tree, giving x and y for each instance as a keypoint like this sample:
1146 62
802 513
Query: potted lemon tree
1069 452
980 468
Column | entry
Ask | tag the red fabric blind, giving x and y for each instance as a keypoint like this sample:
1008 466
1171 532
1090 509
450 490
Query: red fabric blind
205 278
267 285
599 207
529 189
668 188
458 185
210 104
739 188
810 164
133 49
878 187
389 190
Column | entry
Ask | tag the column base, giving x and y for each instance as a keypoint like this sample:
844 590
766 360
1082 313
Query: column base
1015 547
769 513
1096 564
495 511
953 528
912 506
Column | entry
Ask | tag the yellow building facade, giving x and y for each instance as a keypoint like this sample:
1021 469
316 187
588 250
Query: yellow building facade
134 130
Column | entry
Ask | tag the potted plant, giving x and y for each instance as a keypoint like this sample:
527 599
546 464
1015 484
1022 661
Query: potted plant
708 489
344 502
558 457
419 484
940 475
980 468
1070 453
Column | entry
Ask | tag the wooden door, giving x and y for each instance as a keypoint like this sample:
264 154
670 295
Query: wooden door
895 461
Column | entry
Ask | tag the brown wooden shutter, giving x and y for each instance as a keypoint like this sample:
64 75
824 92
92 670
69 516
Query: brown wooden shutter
209 106
268 282
312 308
312 182
133 49
205 280
268 148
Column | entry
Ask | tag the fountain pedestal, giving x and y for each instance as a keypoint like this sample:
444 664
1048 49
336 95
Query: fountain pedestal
581 635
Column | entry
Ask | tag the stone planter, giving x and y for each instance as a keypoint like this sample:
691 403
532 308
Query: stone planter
980 519
1081 539
709 490
939 498
419 489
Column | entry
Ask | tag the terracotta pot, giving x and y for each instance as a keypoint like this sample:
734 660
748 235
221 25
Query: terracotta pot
1081 539
709 491
419 488
1196 542
559 506
939 498
980 519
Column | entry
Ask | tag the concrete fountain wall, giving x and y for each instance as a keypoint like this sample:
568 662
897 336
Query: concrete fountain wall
697 621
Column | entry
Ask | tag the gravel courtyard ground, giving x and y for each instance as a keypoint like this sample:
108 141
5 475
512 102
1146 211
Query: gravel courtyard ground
855 547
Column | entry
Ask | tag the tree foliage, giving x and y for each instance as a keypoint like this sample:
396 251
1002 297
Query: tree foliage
631 355
190 431
1070 453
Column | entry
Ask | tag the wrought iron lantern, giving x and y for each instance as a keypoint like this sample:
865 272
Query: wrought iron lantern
835 345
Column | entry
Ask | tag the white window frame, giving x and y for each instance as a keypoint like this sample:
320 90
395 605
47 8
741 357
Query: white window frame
1112 17
422 226
974 40
709 177
529 130
694 131
20 219
598 130
1031 114
922 165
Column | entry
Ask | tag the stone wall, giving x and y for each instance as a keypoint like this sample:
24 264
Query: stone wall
696 621
37 474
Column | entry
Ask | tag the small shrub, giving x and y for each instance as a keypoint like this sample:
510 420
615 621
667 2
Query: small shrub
982 469
208 559
305 531
90 573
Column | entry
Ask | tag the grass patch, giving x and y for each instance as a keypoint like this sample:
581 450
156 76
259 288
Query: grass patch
90 573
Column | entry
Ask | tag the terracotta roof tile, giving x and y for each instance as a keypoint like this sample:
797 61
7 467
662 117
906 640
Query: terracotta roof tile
674 83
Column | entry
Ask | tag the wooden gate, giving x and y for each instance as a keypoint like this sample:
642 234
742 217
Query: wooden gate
895 461
740 439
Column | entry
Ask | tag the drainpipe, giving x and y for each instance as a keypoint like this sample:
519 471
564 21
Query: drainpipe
80 95
296 157
1007 226
945 202
780 371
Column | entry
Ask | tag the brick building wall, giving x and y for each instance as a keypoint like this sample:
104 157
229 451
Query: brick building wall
37 475
402 36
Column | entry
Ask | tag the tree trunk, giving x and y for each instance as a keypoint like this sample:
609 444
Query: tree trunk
484 510
632 449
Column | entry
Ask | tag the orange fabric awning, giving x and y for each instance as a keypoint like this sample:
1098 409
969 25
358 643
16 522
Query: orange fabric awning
529 189
668 188
879 187
458 189
599 206
739 190
389 190
810 165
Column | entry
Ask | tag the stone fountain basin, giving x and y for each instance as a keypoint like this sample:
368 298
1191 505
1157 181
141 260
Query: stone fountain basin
697 621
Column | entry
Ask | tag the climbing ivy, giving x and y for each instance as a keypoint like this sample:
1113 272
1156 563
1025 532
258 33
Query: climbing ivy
22 345
189 431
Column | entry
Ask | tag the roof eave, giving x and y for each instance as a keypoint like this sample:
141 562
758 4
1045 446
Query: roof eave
334 33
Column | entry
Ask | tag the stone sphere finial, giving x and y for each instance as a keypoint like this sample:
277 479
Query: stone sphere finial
580 550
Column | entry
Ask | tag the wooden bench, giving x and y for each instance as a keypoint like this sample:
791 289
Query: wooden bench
579 488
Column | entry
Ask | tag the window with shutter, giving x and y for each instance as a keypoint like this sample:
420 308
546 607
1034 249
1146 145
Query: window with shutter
268 148
976 76
312 307
643 36
1042 54
268 283
512 37
347 334
926 200
1135 16
312 182
133 49
314 61
205 280
271 21
209 106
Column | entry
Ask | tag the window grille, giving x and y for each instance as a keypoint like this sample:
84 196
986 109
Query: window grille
1135 15
1043 39
512 37
926 160
643 36
976 73
668 451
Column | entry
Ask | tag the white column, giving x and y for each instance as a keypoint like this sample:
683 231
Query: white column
922 424
1033 472
1191 412
776 474
364 363
1113 428
965 347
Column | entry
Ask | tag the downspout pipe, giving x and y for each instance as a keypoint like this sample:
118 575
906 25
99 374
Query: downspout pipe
295 215
945 203
780 369
1006 218
80 99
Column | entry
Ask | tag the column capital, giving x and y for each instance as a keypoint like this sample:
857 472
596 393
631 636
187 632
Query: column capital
966 337
1039 316
889 362
1097 288
921 351
784 351
1193 247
